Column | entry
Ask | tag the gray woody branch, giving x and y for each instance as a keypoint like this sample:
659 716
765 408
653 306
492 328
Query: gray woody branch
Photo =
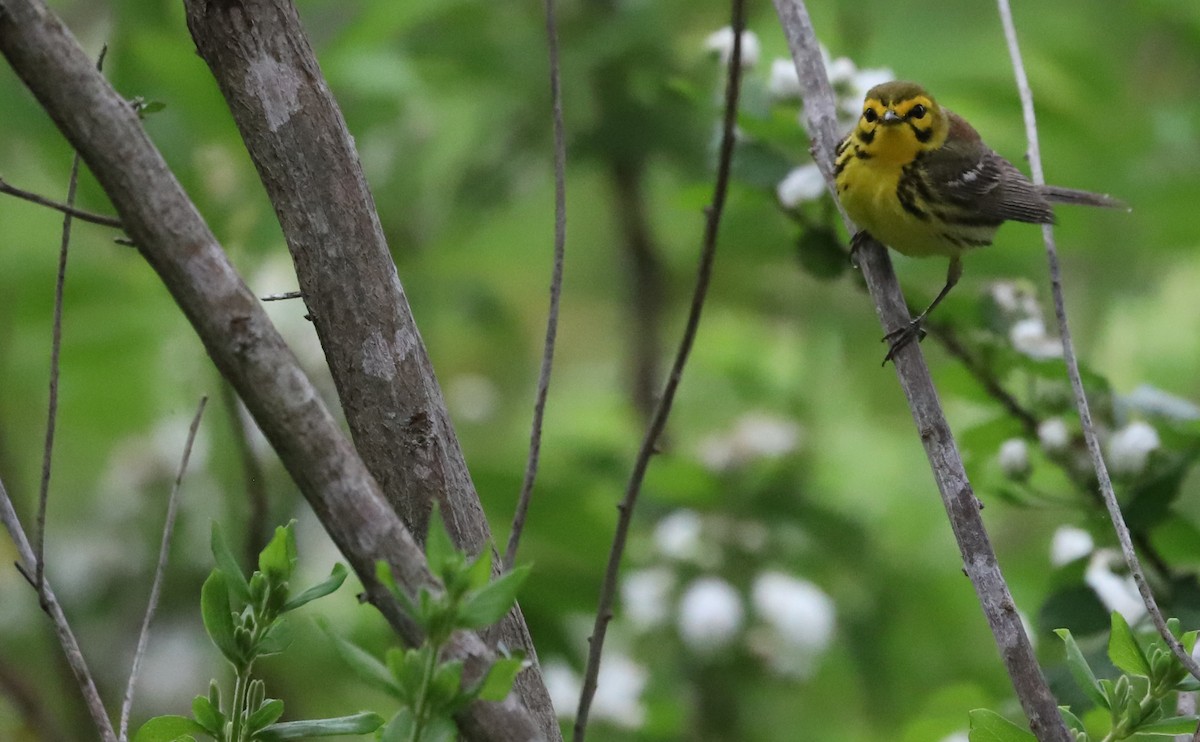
237 334
979 560
295 133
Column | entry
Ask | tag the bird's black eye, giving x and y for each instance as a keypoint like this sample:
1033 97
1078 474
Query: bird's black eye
870 116
918 111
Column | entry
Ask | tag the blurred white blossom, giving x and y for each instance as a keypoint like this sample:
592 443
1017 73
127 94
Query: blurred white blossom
1029 336
956 737
1130 447
784 83
1070 543
1117 592
1014 458
619 687
721 42
802 184
1053 435
710 614
472 397
754 436
645 596
678 535
800 619
1015 299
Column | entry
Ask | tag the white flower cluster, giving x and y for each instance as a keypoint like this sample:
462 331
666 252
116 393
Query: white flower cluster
721 42
756 435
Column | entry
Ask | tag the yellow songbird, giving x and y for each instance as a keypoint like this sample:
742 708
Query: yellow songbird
918 178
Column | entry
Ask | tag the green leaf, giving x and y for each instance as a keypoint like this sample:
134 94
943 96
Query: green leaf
383 573
364 722
488 605
499 680
439 729
208 715
227 563
320 590
368 669
168 729
447 681
440 551
408 668
1084 677
400 728
218 616
480 570
1171 726
1124 650
1073 721
268 713
277 560
988 726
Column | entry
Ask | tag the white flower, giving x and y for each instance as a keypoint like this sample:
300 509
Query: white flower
644 594
721 42
619 687
677 536
956 737
800 618
710 614
1053 435
804 183
783 83
841 70
1131 446
754 436
1070 543
1029 336
1117 592
1014 458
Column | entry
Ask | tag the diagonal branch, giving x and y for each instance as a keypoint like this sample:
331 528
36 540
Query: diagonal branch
1072 361
237 334
67 208
26 561
658 421
962 507
164 552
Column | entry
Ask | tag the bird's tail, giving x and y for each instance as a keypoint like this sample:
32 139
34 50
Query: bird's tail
1057 194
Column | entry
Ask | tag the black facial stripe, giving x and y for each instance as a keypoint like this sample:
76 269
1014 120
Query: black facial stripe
923 135
866 137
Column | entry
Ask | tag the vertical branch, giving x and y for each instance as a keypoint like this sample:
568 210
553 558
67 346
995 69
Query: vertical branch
1081 403
962 508
713 213
52 412
560 241
164 552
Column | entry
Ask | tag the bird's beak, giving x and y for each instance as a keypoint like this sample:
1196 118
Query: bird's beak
891 117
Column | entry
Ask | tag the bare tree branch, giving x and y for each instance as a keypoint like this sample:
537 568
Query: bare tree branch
1072 361
556 279
235 330
294 131
60 282
979 560
68 209
708 250
26 564
164 552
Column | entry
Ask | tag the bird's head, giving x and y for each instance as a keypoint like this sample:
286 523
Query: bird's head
900 121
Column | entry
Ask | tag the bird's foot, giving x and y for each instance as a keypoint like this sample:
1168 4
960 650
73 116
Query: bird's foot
897 339
856 243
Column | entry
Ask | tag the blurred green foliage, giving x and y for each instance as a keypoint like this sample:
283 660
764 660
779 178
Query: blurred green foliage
448 101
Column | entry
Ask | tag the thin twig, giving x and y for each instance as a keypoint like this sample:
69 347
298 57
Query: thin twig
252 471
67 208
1081 403
282 297
704 274
945 335
52 411
560 241
74 656
164 552
979 559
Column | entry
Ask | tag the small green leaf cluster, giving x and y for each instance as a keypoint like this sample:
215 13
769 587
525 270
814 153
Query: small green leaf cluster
1137 702
431 690
256 628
